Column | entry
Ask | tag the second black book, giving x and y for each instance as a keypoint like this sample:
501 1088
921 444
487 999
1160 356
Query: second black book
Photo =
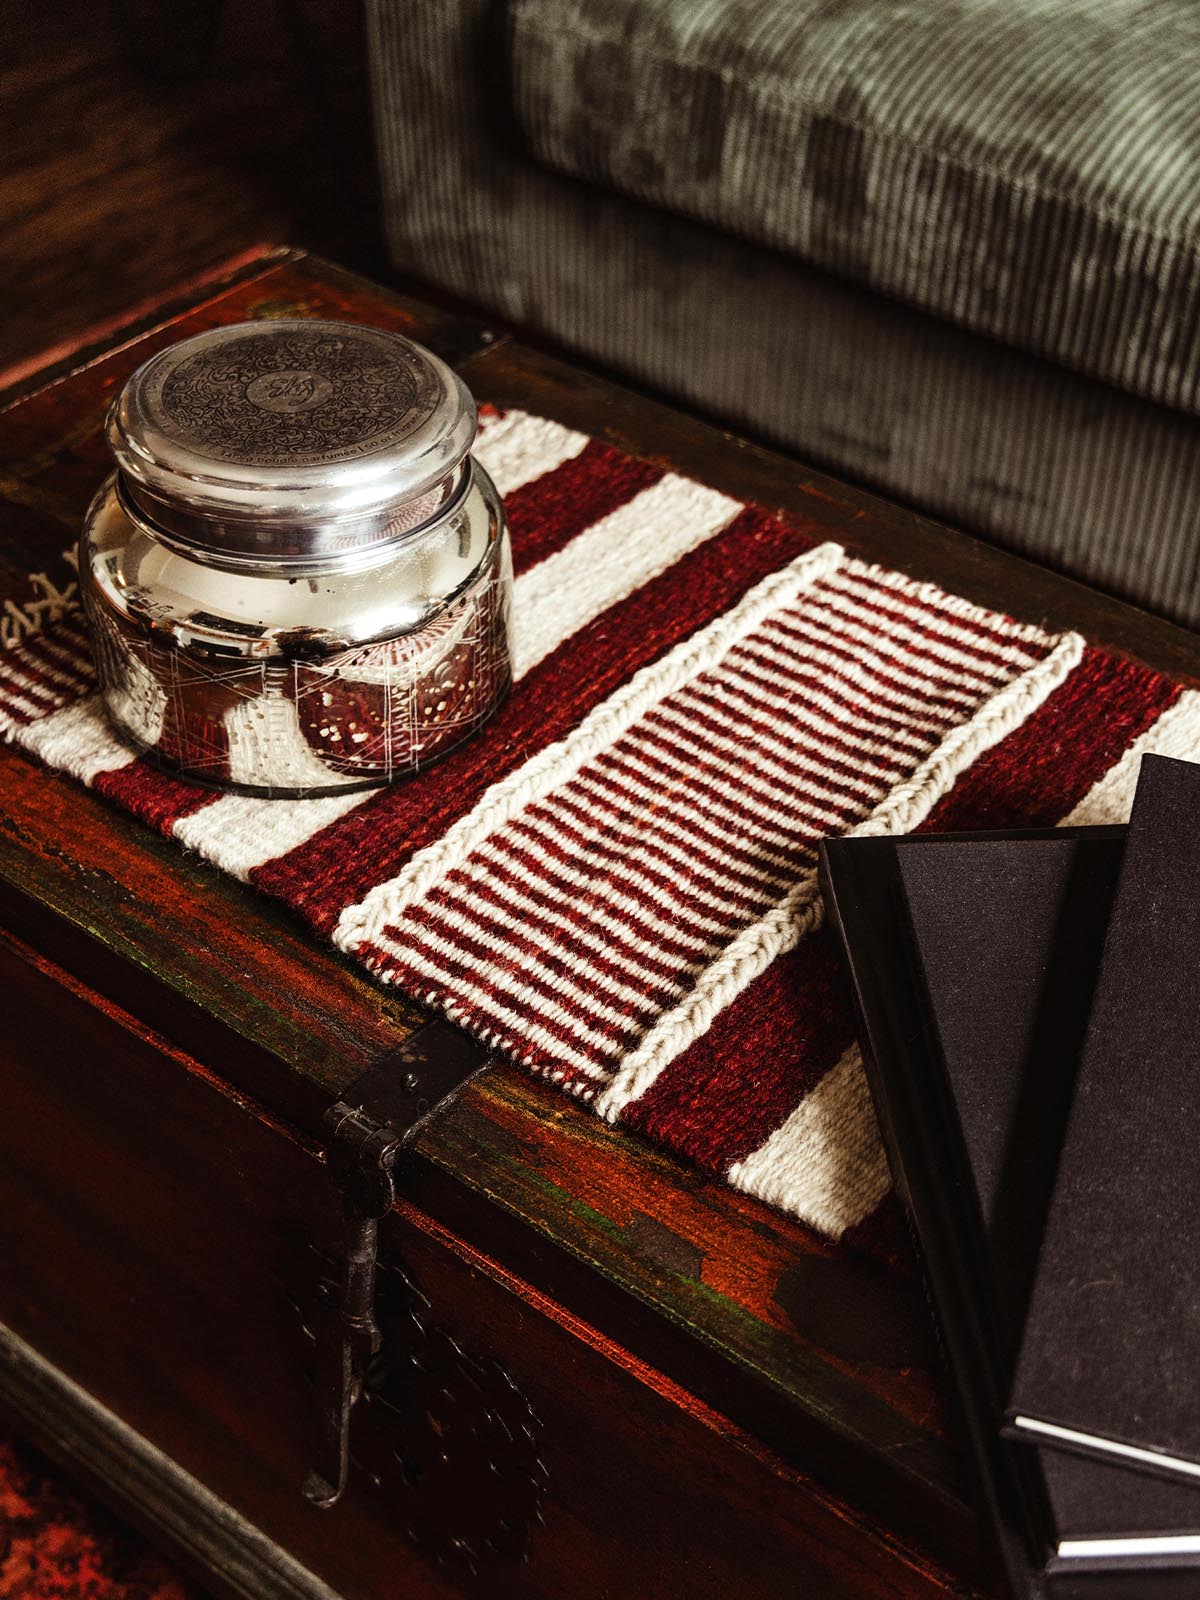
1111 1344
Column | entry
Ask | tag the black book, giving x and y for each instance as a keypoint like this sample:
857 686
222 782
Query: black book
1110 1356
970 1129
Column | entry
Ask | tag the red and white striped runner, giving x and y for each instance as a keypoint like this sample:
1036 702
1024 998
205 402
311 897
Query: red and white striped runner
615 882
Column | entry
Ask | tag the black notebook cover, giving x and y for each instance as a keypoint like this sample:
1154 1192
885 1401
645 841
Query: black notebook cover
929 1157
1111 1348
1008 936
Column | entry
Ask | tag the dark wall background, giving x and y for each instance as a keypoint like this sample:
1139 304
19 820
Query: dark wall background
141 143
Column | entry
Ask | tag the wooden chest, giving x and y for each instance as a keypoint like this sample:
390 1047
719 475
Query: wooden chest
601 1375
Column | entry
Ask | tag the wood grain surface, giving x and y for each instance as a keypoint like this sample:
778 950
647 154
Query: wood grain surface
144 143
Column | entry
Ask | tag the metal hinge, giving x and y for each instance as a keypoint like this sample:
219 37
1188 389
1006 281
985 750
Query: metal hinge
379 1116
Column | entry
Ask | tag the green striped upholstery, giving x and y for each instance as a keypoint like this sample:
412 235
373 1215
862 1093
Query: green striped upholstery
1078 473
1028 169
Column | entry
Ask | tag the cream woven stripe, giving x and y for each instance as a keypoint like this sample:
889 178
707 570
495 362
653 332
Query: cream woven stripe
732 809
782 928
15 699
240 832
440 956
515 449
826 1163
951 684
726 707
555 765
610 560
902 624
511 911
879 753
744 865
643 955
1176 733
78 739
563 855
38 663
448 981
795 780
636 899
849 654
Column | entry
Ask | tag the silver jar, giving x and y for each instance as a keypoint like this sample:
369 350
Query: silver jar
297 581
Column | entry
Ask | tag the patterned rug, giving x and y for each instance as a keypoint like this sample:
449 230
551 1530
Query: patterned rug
57 1544
615 883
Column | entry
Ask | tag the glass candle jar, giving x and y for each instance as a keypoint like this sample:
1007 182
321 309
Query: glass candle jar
297 581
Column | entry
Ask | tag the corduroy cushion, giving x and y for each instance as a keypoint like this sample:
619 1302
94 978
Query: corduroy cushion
1029 169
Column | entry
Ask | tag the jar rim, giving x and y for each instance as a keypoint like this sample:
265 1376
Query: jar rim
308 550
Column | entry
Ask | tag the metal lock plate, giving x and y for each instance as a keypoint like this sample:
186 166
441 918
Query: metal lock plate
380 1115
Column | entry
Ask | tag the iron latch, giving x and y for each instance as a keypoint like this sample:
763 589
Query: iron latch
379 1116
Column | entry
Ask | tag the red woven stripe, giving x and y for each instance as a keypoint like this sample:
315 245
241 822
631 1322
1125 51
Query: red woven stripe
762 816
153 795
1044 768
490 959
840 670
45 672
705 784
637 890
14 715
546 514
25 681
371 843
24 702
833 700
66 638
842 732
774 1043
58 659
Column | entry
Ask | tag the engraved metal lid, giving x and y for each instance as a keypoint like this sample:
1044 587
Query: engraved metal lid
290 442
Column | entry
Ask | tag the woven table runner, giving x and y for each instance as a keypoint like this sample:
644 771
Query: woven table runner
614 884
